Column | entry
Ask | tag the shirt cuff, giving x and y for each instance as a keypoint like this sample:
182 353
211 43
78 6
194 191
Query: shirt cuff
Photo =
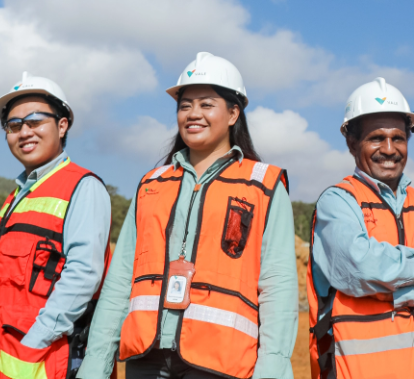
404 297
95 368
39 337
273 366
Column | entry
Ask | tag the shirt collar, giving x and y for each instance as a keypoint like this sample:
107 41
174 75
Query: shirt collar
40 172
376 184
182 156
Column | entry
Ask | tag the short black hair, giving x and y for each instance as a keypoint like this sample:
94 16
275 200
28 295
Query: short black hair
354 127
54 104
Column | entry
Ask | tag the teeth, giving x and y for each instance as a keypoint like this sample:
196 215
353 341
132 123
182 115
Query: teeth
195 127
29 144
389 163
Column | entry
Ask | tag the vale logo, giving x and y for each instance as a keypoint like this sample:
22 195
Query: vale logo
17 87
189 73
381 101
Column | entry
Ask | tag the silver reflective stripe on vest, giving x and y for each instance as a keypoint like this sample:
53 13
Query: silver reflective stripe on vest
375 345
144 303
160 171
222 317
259 171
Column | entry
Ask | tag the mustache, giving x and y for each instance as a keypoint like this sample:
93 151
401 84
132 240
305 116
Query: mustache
381 158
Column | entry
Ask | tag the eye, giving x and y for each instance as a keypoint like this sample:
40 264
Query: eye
184 106
206 105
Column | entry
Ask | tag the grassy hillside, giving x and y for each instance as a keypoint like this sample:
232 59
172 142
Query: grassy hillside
6 186
302 214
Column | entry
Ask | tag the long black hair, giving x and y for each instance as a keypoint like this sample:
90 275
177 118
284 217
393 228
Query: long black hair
239 132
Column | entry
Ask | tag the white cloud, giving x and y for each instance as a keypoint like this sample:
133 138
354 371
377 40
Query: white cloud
86 73
174 30
147 139
283 139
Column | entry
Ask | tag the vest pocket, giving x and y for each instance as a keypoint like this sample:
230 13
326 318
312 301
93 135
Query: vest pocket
48 264
239 216
16 358
14 257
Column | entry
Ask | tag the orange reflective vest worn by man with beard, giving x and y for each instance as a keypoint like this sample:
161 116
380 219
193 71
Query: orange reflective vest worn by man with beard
54 239
361 271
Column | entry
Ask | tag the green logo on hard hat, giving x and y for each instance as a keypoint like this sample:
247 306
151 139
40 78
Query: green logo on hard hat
381 101
189 73
17 87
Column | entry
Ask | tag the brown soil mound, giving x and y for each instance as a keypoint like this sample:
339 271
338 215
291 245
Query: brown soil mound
302 255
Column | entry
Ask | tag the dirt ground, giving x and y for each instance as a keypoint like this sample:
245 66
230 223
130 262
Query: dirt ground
300 358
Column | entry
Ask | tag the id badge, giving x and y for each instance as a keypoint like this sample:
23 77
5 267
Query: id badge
179 283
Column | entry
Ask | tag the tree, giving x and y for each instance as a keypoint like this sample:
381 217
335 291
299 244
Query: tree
120 206
302 214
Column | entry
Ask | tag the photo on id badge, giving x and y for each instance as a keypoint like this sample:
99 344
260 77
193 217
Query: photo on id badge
176 289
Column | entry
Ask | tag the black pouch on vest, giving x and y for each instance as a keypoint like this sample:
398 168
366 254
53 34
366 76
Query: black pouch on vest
48 263
237 226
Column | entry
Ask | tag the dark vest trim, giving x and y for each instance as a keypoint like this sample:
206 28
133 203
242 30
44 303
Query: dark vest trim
249 183
162 180
373 205
36 230
272 193
408 209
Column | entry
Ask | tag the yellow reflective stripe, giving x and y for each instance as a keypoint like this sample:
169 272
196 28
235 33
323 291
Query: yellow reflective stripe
18 369
4 209
46 177
50 205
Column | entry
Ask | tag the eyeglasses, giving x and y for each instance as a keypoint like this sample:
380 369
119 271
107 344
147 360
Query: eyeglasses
33 120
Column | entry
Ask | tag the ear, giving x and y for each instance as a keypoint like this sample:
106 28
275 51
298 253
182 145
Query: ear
63 126
234 114
352 144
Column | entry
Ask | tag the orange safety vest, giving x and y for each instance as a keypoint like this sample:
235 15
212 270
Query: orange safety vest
31 261
219 330
369 338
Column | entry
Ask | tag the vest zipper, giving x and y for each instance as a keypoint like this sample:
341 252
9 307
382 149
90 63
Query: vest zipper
187 224
195 246
401 233
210 287
148 277
370 318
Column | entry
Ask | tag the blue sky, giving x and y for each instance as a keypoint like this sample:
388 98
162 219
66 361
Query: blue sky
300 61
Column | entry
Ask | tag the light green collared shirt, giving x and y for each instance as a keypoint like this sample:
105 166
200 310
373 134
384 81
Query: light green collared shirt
278 288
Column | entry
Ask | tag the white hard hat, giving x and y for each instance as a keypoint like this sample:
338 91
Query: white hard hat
36 85
375 97
209 69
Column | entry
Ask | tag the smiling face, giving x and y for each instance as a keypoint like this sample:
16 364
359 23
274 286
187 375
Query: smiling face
35 147
204 119
381 151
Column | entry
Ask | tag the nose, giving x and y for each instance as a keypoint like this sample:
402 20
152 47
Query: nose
26 131
195 112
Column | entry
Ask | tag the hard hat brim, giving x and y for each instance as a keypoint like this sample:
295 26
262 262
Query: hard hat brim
173 91
10 96
410 114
